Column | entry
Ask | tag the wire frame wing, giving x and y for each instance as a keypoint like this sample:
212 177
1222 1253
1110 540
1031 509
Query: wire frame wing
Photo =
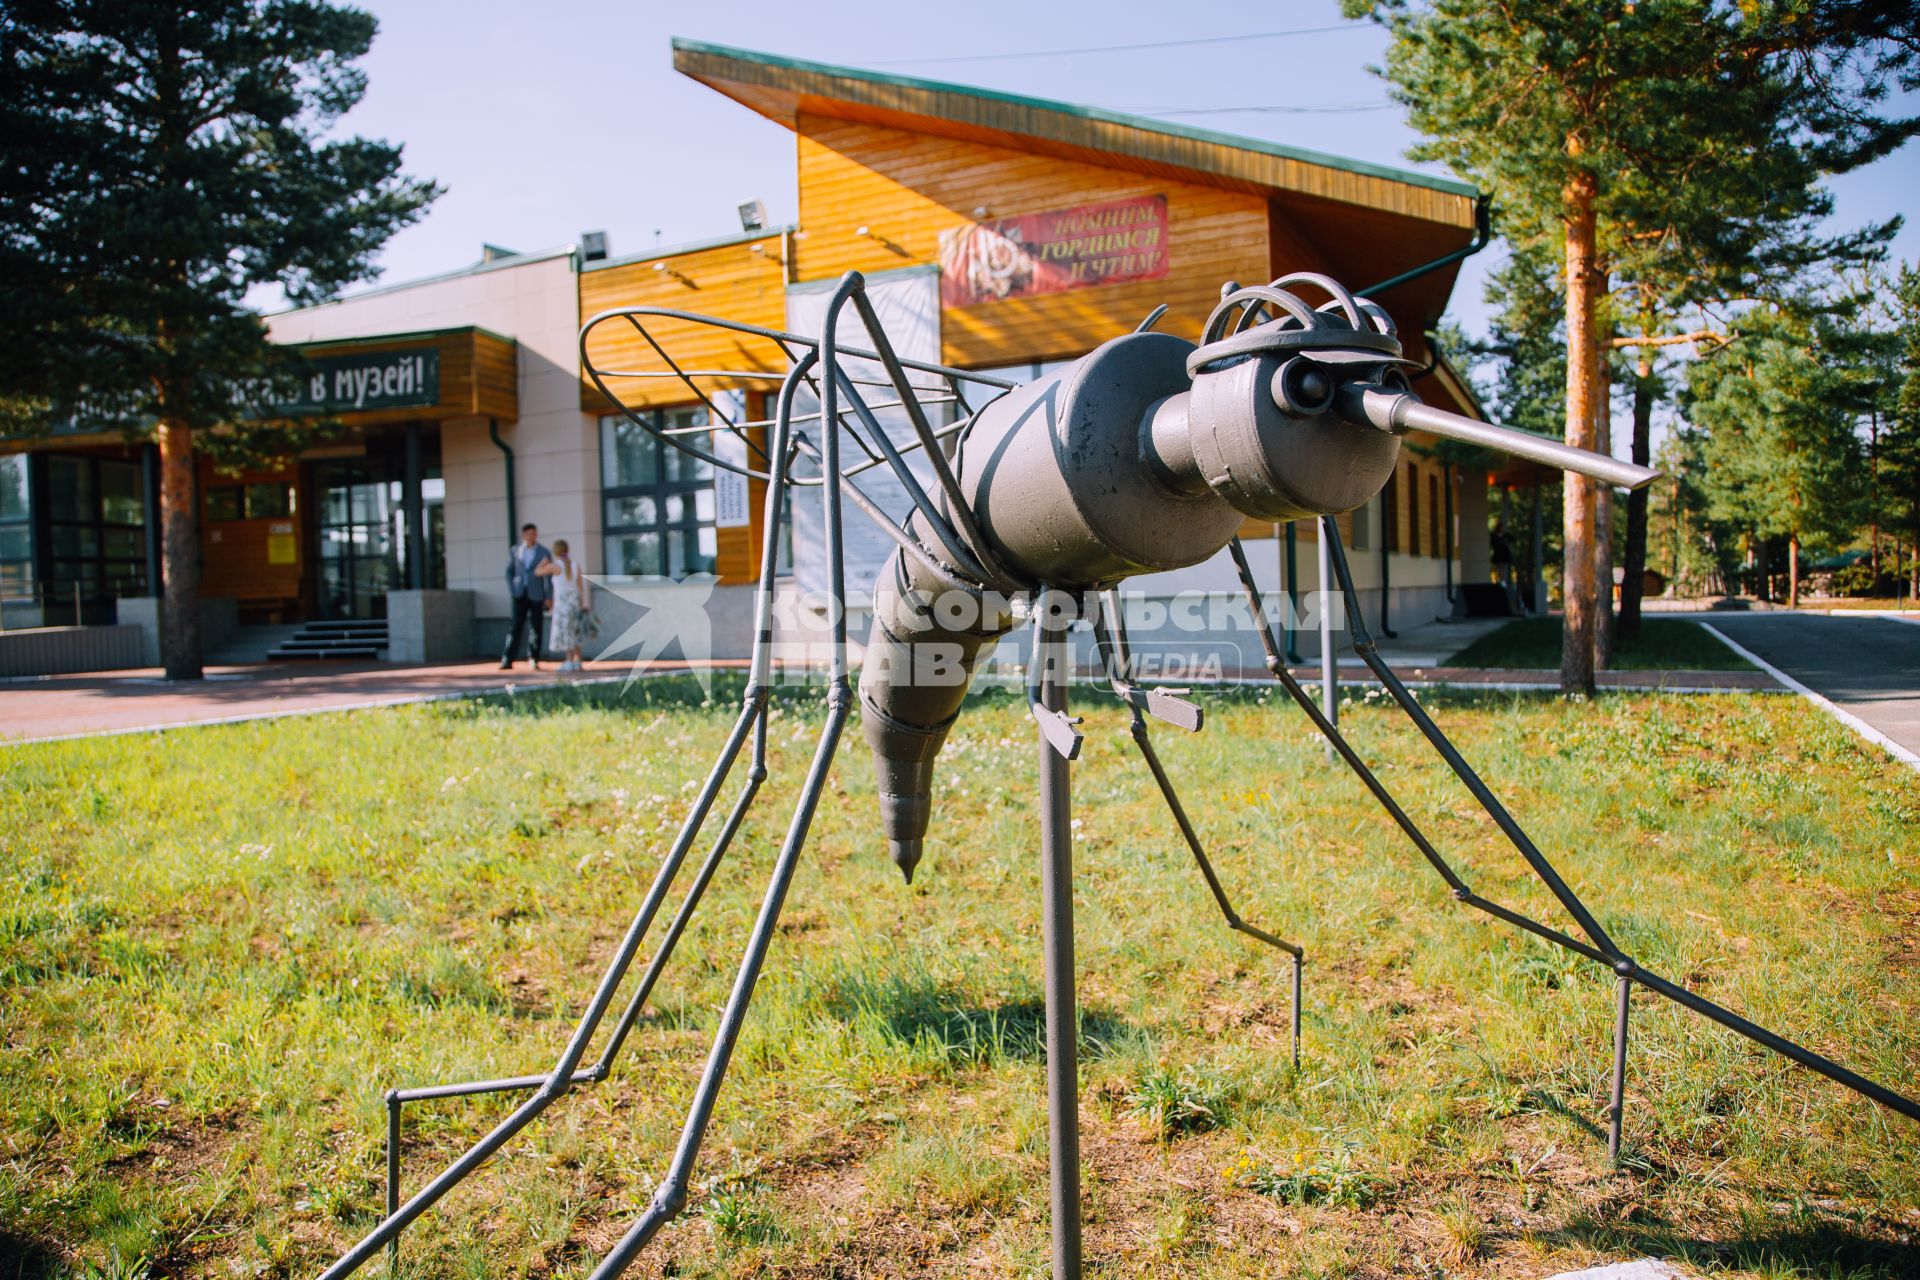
849 387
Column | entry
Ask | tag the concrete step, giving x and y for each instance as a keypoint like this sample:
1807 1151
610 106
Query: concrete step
325 654
248 645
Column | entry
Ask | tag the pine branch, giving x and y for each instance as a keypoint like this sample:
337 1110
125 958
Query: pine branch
1708 338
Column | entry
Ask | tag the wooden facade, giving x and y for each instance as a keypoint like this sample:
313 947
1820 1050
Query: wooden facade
727 279
907 188
888 164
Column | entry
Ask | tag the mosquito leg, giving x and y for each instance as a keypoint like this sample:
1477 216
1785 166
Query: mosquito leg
562 1077
1113 642
671 1196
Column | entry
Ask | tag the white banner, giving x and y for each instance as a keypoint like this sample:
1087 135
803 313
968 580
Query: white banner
907 302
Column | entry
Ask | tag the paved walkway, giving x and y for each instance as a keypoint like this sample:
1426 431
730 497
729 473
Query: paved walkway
137 701
125 701
1868 666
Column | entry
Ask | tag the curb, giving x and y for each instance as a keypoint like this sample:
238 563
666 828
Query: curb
1846 718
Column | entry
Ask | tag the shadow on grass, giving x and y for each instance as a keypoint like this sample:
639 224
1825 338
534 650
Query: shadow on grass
24 1258
926 1015
1820 1247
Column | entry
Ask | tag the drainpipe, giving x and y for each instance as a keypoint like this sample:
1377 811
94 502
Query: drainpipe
513 518
1482 232
1446 521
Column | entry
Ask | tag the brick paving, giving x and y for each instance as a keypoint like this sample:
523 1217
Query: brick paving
129 701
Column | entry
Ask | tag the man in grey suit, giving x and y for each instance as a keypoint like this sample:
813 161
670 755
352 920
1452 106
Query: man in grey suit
530 592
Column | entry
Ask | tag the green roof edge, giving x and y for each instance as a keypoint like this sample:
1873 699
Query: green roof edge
410 335
1281 150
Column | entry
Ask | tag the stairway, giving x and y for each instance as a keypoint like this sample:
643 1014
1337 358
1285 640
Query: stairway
251 644
366 638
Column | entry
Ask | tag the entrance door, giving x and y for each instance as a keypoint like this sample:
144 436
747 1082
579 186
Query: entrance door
359 509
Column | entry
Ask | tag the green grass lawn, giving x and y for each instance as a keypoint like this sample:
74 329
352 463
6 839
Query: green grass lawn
1664 644
218 946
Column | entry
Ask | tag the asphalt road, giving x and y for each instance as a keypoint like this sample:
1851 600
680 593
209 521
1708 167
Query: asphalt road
1869 666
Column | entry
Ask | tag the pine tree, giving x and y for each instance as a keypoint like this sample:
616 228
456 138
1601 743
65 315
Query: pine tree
1595 123
1899 474
157 162
1782 457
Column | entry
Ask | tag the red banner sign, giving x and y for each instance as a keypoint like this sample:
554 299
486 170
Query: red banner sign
1051 252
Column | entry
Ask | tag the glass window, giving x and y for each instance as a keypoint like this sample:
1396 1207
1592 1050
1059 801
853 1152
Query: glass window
634 509
16 528
628 454
70 488
269 501
121 501
224 502
13 487
659 504
76 540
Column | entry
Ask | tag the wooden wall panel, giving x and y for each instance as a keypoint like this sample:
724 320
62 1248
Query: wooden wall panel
728 280
496 377
909 187
737 550
233 553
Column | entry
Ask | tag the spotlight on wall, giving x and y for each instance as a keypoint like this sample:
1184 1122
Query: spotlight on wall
753 216
686 280
868 233
767 253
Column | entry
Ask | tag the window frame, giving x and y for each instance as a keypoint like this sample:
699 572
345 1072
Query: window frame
668 481
101 574
22 569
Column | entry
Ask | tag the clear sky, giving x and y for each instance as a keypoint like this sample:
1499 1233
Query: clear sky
546 120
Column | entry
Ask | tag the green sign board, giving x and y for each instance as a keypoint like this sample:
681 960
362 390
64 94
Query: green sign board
359 382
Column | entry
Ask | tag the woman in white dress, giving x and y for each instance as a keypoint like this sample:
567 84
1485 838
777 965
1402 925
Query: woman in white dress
571 597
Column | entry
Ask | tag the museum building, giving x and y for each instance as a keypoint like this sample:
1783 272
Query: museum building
466 411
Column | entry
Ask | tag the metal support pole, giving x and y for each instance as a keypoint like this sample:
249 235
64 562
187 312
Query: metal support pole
1329 682
1617 1108
1298 962
393 1176
1293 593
413 509
1056 912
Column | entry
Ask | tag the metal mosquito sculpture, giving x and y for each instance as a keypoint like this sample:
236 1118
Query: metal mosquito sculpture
1145 455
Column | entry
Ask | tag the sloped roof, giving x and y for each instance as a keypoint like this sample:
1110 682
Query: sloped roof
1370 222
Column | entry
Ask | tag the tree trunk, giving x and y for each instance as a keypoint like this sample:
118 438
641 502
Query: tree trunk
1632 584
1583 377
180 556
1873 501
1793 571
